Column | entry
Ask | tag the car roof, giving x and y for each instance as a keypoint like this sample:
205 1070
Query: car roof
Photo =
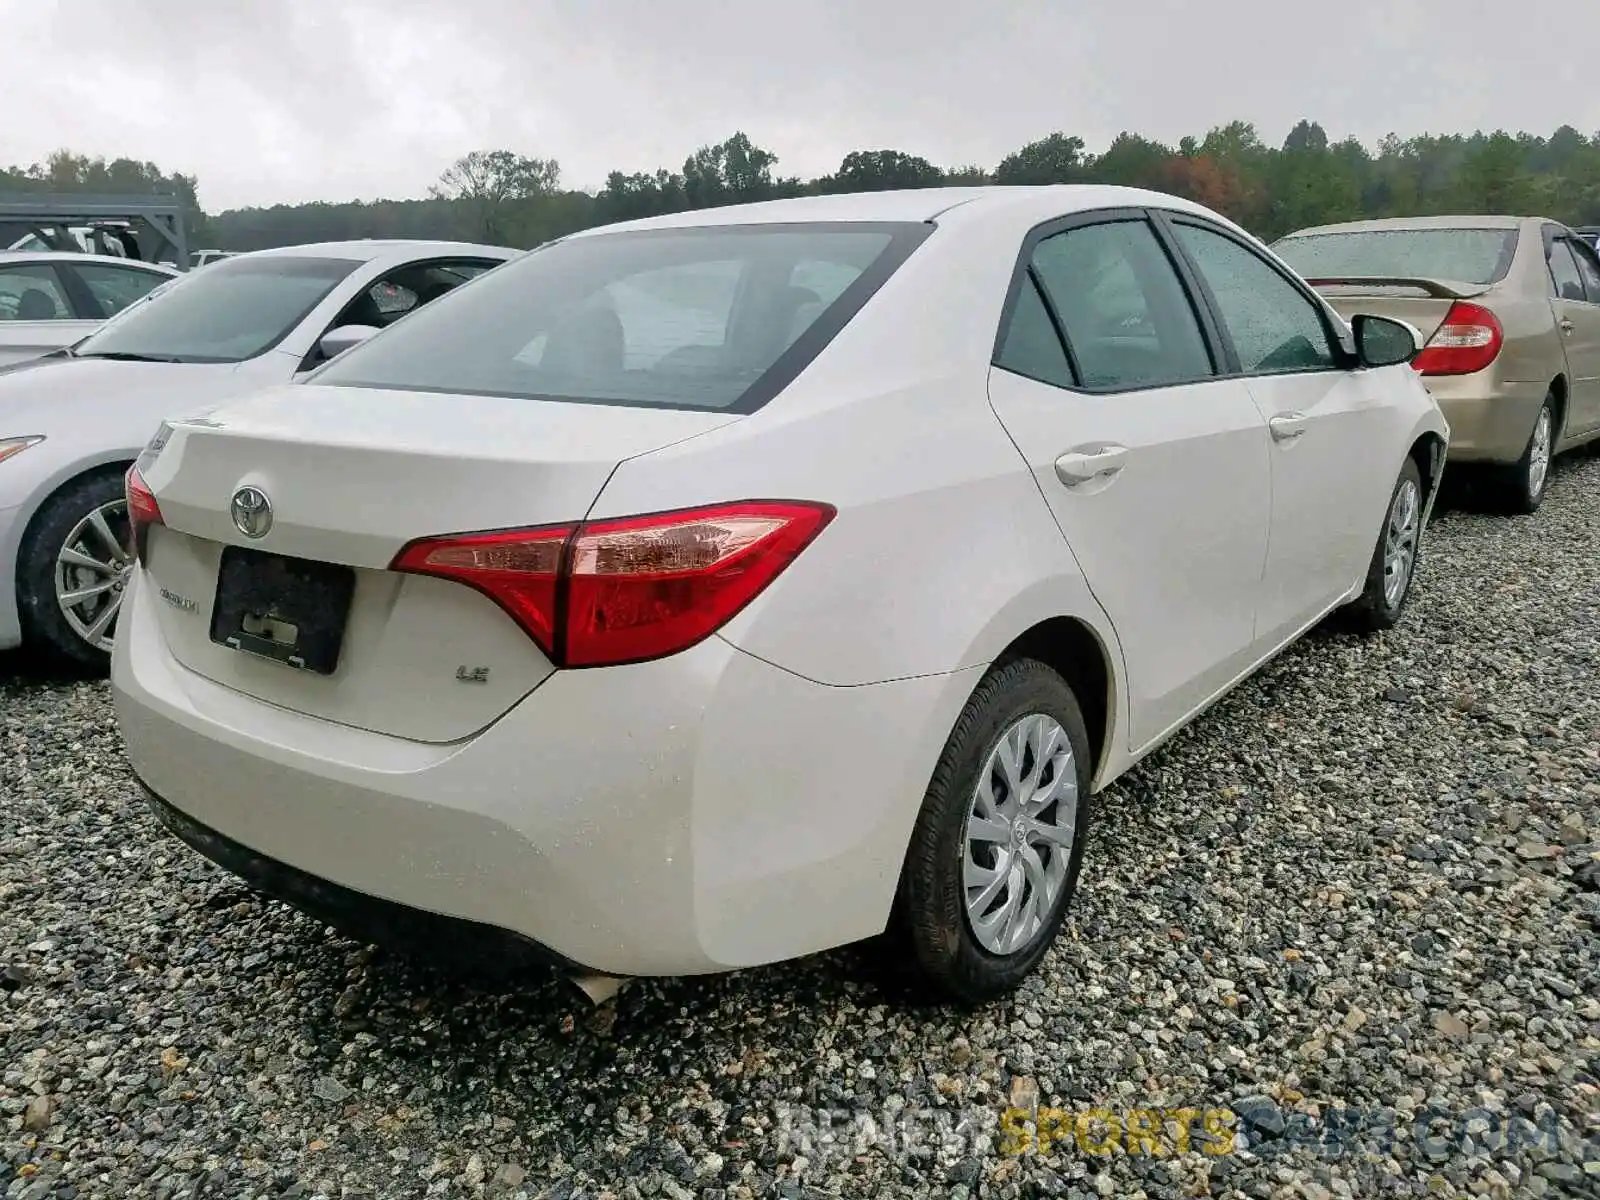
35 256
1379 224
917 205
372 249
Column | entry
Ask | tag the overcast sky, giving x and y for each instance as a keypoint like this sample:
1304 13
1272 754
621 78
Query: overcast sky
270 101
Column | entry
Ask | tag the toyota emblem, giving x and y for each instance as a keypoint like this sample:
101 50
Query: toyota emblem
252 512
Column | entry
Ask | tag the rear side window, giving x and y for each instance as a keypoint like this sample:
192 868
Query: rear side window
714 317
1127 319
1480 256
1031 346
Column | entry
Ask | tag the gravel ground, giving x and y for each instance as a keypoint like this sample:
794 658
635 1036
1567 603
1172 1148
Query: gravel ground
1363 889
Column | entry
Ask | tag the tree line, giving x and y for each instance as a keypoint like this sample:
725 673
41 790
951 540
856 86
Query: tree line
503 197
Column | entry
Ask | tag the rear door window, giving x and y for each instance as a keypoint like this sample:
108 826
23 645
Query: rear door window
1564 271
1127 319
1589 269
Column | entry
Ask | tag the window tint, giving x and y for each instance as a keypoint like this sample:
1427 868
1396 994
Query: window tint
1464 255
1564 271
1124 311
114 288
1274 327
684 318
1589 268
32 293
1031 346
234 309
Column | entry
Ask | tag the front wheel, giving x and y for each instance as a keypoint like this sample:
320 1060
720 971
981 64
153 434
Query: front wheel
72 572
997 846
1394 559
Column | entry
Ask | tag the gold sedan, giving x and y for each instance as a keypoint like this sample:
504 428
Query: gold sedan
1509 308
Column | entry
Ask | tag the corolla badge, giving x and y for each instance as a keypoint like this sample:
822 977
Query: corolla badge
252 512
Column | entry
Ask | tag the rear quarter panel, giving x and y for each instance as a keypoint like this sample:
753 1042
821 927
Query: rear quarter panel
1533 351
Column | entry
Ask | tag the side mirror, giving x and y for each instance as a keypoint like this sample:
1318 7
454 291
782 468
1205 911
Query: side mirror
336 341
1384 341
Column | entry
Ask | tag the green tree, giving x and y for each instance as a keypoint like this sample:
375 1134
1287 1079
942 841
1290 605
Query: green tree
499 189
736 171
1054 159
881 170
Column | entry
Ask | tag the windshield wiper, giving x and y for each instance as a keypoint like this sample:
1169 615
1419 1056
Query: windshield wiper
127 356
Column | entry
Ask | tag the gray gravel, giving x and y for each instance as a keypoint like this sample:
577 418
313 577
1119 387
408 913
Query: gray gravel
1368 881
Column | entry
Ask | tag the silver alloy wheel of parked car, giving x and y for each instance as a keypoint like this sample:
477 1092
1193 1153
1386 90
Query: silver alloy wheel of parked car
1539 454
1400 540
92 571
1018 839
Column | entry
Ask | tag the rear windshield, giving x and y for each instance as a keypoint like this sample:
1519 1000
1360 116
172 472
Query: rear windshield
717 317
1480 256
235 309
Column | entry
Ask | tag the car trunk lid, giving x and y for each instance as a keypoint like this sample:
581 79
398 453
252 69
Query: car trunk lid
351 475
1422 302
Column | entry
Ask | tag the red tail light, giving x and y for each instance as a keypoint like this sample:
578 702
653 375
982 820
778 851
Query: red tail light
143 511
1468 341
608 592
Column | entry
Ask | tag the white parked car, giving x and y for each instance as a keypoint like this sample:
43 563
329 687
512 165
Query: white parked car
50 299
72 422
709 590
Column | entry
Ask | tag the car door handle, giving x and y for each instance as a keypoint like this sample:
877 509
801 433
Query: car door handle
1287 426
1566 325
1080 466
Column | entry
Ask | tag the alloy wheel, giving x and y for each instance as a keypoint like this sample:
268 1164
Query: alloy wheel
1400 542
91 574
1539 455
1019 833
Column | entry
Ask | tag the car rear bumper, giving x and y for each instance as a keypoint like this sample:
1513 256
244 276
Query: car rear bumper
704 812
1484 426
466 945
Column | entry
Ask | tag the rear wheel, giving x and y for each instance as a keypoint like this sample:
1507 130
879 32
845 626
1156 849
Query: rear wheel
72 571
1520 487
997 846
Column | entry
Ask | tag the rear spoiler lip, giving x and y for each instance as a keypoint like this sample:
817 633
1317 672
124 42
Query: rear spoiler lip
1439 289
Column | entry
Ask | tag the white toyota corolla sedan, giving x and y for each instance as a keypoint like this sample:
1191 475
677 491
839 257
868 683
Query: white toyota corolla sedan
713 589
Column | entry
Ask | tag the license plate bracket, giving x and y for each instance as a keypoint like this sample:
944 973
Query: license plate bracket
290 610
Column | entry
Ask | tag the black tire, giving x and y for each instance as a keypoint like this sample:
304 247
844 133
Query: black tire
930 925
1374 610
1512 488
45 629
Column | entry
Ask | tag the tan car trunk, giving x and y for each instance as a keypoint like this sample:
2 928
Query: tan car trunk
1419 302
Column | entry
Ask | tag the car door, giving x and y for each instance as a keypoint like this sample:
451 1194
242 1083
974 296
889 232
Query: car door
36 312
1330 425
1157 470
112 287
1576 275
